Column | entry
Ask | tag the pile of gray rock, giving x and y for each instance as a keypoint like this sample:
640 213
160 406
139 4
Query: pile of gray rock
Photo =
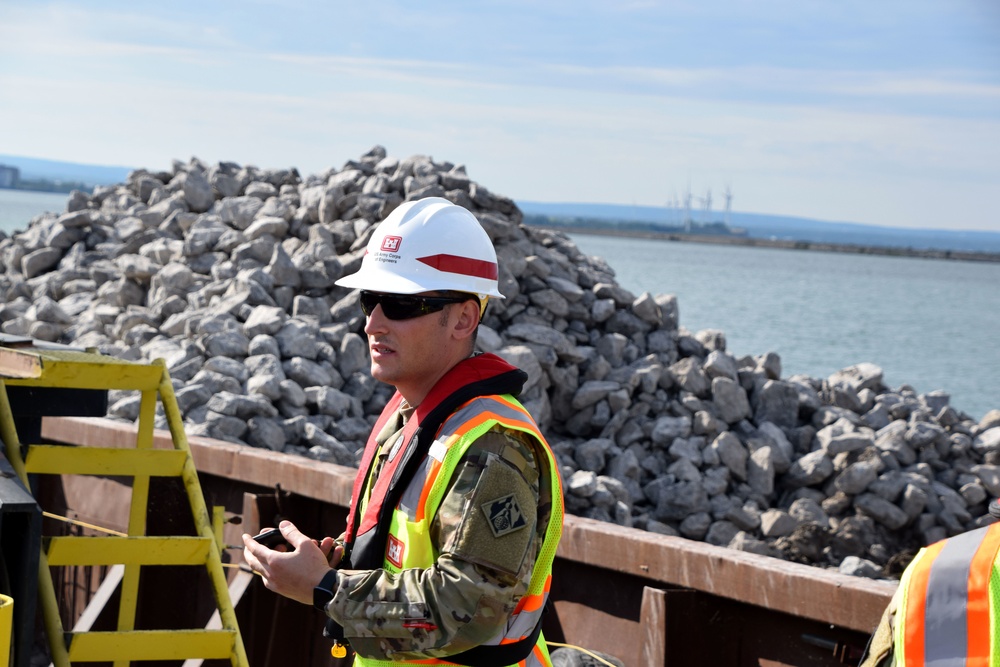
227 273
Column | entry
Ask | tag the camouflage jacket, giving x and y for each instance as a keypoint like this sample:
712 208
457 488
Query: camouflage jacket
472 587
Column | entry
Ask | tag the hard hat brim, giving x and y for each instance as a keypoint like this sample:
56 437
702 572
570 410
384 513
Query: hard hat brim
377 280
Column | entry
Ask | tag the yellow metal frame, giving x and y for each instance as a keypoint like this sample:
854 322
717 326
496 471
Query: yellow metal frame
84 370
6 628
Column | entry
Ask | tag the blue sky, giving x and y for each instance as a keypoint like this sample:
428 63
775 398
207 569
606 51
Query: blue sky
882 112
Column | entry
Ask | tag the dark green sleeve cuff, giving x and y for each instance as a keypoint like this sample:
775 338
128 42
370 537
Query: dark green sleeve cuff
324 590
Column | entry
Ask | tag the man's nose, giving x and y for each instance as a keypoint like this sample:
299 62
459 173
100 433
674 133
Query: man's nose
376 322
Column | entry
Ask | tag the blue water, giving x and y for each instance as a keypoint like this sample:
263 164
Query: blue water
930 324
18 207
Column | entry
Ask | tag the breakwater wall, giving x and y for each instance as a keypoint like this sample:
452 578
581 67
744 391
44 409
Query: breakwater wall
226 272
784 244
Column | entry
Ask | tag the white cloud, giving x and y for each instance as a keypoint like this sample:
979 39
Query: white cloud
869 144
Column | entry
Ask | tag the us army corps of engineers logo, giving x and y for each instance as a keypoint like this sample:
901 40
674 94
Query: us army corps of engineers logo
504 515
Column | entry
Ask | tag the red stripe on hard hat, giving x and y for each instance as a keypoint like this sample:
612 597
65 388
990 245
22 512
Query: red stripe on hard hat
465 266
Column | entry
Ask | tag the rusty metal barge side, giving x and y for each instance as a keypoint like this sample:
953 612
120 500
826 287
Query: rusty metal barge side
647 599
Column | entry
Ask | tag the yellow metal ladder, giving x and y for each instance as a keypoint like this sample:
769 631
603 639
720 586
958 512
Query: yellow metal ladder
71 369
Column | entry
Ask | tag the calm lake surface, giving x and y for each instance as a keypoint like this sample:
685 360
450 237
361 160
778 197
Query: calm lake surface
18 207
930 324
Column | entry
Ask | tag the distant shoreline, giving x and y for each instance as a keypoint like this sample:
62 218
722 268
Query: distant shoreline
721 239
51 189
725 239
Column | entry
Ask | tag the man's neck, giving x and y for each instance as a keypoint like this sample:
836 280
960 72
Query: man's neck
415 395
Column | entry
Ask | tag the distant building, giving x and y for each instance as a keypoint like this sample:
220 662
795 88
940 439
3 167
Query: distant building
9 176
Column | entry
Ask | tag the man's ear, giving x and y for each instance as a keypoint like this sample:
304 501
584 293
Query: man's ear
467 320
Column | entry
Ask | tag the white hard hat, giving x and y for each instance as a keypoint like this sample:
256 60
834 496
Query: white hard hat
428 245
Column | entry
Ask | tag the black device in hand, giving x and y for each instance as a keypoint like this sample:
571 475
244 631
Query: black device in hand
271 539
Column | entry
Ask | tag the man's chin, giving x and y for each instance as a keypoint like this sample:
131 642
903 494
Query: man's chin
381 373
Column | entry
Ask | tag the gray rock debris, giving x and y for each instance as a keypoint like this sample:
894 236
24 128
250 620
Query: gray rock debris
226 272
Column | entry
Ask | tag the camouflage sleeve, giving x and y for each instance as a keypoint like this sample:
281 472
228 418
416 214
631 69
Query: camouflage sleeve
880 650
487 534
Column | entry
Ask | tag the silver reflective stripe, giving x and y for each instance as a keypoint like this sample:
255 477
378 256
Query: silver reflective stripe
523 624
520 625
945 624
532 661
411 496
479 405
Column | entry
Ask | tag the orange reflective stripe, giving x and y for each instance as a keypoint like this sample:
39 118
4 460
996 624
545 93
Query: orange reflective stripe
522 415
484 417
432 473
519 418
978 606
478 420
916 606
529 603
469 425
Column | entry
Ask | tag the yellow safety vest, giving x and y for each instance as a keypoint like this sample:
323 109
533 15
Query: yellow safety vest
948 615
409 542
391 529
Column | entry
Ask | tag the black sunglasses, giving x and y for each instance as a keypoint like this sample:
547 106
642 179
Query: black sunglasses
406 306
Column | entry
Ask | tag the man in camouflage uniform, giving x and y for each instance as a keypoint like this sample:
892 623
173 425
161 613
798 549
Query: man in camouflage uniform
471 575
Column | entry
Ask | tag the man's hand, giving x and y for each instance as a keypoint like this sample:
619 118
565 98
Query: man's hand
293 574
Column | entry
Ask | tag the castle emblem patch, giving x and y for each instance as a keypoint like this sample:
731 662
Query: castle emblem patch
504 515
392 243
394 551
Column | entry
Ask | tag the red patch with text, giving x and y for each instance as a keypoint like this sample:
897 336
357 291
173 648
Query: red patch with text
394 551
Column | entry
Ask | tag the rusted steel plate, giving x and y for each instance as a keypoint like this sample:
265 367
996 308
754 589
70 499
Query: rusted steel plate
800 590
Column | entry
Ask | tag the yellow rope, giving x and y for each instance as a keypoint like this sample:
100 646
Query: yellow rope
582 650
84 524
